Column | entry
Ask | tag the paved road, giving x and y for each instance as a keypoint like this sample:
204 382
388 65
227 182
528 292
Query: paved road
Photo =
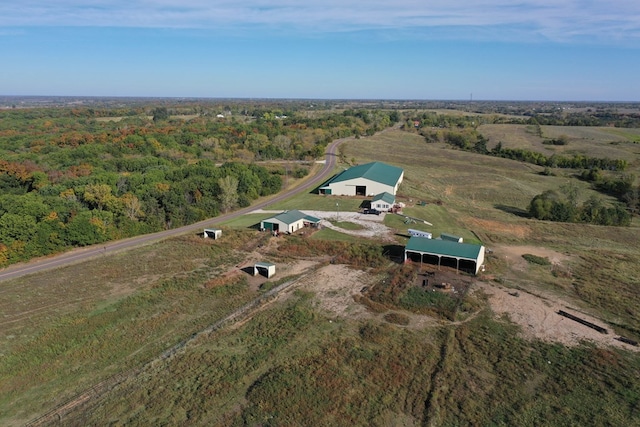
83 254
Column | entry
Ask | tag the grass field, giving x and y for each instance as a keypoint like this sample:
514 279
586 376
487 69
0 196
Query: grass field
293 362
590 141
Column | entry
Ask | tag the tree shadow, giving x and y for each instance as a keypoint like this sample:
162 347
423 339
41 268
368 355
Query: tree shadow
513 211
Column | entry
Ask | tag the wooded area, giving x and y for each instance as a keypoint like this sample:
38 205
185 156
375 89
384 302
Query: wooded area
76 176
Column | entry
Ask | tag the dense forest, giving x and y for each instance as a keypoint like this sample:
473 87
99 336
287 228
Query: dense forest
79 175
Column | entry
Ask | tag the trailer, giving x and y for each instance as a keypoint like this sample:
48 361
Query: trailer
419 233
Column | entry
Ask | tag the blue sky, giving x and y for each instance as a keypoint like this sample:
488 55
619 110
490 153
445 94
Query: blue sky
561 50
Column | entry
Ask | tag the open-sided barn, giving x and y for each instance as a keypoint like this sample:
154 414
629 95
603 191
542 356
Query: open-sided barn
461 256
365 180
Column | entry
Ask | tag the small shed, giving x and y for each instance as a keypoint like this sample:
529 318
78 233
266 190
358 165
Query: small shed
265 268
213 233
450 238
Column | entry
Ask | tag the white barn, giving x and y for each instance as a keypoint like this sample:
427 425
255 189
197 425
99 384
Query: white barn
365 180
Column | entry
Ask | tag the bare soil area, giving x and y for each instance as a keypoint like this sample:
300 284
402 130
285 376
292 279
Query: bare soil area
336 287
538 317
513 255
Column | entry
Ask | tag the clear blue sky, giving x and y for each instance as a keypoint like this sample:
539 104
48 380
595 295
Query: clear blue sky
564 50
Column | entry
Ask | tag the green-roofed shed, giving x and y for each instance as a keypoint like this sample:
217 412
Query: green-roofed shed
450 237
365 180
288 222
461 256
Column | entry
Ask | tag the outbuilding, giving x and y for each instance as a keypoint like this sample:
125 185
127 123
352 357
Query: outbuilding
214 233
383 201
365 180
461 256
450 237
265 268
289 222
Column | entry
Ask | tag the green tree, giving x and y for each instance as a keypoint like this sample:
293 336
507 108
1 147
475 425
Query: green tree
99 196
160 113
228 192
542 204
14 227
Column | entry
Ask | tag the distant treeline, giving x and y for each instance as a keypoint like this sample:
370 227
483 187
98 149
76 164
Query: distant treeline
529 114
472 140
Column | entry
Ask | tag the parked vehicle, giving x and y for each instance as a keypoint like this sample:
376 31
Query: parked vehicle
371 212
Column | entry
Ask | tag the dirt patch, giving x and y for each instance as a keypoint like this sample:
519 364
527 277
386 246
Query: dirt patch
490 226
513 255
335 287
538 317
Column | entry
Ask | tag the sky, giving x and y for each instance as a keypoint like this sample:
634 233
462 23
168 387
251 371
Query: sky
546 50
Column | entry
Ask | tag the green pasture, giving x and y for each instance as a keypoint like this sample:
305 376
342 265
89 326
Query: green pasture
590 141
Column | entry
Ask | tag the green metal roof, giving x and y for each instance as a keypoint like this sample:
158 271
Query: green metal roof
450 237
290 217
375 171
385 197
443 247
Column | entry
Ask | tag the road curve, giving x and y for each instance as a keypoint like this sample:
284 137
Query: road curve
83 254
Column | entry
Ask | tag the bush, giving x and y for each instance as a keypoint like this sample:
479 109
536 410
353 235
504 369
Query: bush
397 318
535 259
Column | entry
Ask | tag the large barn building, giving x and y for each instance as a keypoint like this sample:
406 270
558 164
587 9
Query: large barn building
365 180
461 256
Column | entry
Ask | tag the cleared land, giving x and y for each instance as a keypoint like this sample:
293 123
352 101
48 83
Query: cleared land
356 340
592 141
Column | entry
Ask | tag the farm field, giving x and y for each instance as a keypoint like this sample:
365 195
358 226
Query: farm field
127 339
592 141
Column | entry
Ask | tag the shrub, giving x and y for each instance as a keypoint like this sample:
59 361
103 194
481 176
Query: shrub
535 259
397 318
